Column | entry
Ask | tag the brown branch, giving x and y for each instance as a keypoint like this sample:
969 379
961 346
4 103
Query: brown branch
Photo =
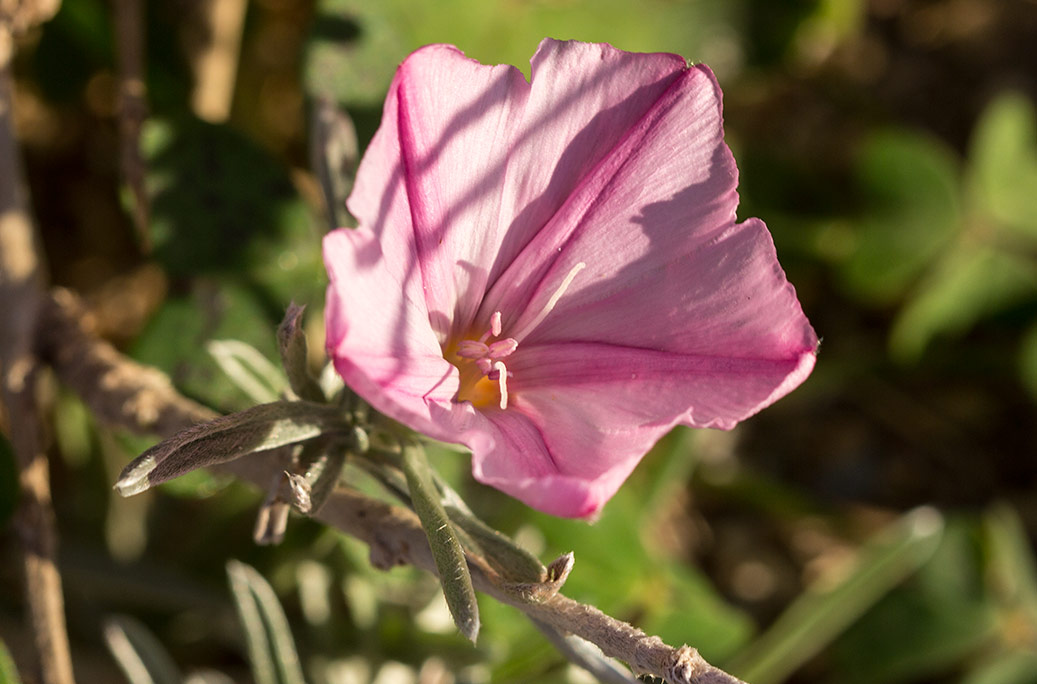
216 62
127 394
21 278
117 389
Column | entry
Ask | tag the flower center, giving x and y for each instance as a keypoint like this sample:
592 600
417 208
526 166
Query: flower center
484 376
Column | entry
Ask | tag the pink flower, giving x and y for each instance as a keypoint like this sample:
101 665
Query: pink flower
550 272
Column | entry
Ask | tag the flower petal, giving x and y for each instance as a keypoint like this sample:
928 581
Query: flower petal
430 183
380 340
584 98
668 184
583 415
517 461
725 297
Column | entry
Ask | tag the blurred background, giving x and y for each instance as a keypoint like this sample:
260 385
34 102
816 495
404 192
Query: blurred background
875 526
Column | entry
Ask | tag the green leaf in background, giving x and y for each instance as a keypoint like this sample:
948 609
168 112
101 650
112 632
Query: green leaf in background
76 42
1003 156
1014 667
820 614
911 185
941 616
618 571
973 281
268 637
175 338
247 368
8 672
1013 565
139 653
356 45
221 204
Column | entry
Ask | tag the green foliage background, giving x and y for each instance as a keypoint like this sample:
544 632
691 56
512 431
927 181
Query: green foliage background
891 146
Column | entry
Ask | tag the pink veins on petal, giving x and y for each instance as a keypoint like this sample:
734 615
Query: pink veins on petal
550 271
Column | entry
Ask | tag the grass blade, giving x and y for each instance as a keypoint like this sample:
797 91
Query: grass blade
268 637
139 653
817 617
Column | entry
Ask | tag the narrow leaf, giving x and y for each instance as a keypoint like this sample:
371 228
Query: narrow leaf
139 653
291 341
226 438
514 563
248 369
442 539
818 616
271 649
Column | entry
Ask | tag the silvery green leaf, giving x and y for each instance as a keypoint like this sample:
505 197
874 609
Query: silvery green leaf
291 341
271 649
248 369
139 653
442 538
226 438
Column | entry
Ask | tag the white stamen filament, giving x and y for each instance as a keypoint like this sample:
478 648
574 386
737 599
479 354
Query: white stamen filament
551 303
502 382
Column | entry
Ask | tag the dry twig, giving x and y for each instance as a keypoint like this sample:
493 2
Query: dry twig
21 278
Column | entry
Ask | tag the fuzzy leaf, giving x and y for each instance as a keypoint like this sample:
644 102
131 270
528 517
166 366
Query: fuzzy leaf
226 438
442 539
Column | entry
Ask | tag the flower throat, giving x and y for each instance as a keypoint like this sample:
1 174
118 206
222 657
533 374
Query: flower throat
484 375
